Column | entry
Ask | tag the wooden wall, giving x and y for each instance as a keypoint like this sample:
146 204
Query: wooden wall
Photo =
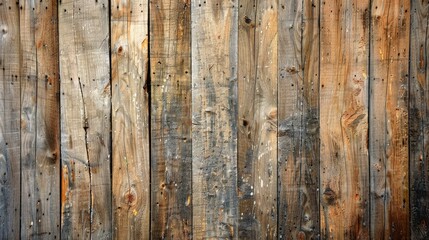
214 119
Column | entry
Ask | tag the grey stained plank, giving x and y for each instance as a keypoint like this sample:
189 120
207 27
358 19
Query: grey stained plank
388 119
130 119
257 121
214 118
418 120
40 133
171 140
298 107
85 119
10 127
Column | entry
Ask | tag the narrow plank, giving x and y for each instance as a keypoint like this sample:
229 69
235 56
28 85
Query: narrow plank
257 123
130 119
214 118
85 119
171 140
9 121
344 170
40 156
388 119
298 137
418 120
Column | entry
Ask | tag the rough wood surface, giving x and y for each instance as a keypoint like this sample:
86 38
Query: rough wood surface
257 119
9 121
388 119
130 119
419 120
85 119
298 94
344 171
40 145
171 141
214 118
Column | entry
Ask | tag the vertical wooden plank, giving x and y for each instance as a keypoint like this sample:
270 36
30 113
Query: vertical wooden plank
40 156
344 166
9 121
418 120
130 119
388 119
298 100
257 123
171 141
214 118
85 119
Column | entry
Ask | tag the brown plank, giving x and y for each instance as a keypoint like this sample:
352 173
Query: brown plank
257 123
344 170
85 119
171 141
40 150
418 120
130 119
298 137
214 118
9 120
388 119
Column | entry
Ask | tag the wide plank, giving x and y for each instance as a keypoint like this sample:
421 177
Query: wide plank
85 119
344 170
10 144
388 119
419 120
257 121
40 132
171 140
214 118
130 119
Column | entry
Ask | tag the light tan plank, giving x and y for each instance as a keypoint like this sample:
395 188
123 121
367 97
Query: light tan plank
257 126
130 119
85 119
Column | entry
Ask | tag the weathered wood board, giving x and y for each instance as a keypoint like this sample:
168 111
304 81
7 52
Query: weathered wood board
419 120
388 119
130 119
344 170
257 119
40 132
214 118
86 209
10 144
171 140
298 137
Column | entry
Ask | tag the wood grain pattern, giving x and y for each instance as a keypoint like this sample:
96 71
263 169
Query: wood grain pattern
85 119
418 120
171 140
388 142
214 118
130 119
9 121
40 150
298 95
344 170
257 126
